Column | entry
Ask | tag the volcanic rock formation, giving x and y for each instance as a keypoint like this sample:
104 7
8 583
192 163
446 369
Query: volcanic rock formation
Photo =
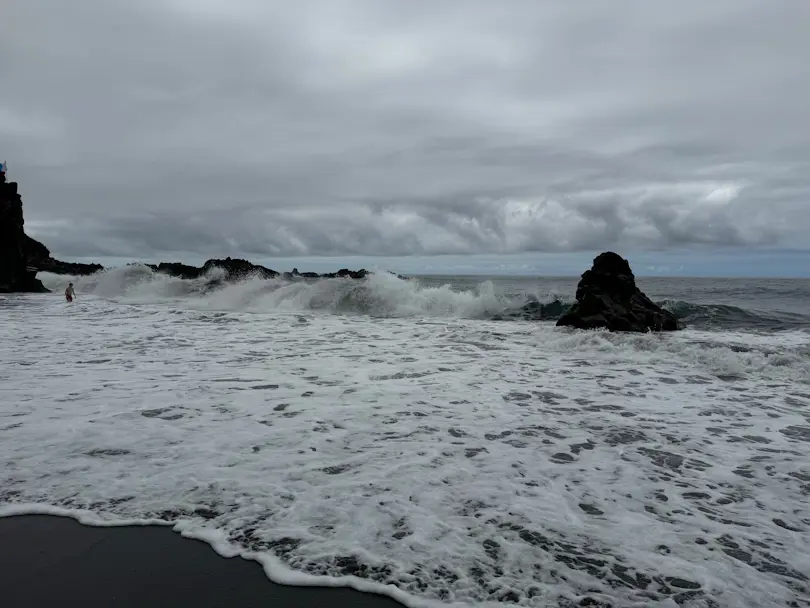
235 269
21 257
607 297
18 251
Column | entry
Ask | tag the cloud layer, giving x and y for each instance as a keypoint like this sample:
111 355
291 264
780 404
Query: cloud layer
380 127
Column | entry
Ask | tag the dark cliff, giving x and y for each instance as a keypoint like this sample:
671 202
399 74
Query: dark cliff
21 257
19 253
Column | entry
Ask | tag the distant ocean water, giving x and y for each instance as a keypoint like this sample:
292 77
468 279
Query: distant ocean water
706 303
392 436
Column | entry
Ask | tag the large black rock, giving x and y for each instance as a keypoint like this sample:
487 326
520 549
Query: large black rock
21 257
19 253
233 268
607 297
236 269
76 269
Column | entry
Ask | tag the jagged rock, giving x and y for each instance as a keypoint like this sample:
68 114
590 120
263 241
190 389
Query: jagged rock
71 268
233 268
21 257
18 251
607 297
176 269
236 269
36 251
344 273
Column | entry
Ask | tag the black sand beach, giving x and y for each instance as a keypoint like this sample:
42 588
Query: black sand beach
51 561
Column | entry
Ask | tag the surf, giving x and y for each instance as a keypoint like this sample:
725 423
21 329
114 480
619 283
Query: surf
380 294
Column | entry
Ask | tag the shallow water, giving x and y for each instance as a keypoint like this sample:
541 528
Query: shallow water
418 444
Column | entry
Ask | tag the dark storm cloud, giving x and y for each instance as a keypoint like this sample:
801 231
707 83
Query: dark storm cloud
246 127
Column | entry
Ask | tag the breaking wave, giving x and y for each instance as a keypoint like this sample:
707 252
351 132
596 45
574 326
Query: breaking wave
724 316
379 295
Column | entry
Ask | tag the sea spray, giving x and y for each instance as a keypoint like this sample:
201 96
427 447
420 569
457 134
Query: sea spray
379 295
386 295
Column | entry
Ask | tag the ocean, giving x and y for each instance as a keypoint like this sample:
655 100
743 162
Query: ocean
389 435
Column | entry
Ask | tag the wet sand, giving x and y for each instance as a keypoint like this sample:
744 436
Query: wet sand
51 561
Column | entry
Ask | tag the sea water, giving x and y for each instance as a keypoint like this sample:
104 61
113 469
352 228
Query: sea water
388 435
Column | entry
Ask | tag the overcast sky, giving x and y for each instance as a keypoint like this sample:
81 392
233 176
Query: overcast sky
198 128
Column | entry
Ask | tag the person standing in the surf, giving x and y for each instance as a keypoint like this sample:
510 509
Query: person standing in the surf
70 293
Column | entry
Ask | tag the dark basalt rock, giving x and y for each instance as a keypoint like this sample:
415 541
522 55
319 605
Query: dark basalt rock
346 273
21 257
18 251
237 269
607 297
234 269
71 268
35 250
177 269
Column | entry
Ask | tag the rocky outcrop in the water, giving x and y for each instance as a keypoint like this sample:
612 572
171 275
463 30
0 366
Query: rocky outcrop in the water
18 252
607 297
343 273
235 269
72 268
21 257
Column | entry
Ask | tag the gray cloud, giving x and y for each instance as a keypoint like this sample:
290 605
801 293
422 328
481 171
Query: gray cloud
379 127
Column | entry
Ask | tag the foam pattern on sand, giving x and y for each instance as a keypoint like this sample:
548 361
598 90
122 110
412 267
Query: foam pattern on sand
461 461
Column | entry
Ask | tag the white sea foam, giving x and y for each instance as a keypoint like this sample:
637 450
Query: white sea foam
459 460
382 294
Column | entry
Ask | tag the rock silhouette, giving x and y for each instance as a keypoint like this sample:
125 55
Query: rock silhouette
71 268
534 311
607 297
235 269
18 252
21 257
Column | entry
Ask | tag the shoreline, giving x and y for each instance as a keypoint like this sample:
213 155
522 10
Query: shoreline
51 559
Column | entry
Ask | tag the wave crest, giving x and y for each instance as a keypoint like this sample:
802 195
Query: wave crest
379 294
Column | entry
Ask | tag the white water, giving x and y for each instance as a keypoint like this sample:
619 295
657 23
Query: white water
461 460
381 294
